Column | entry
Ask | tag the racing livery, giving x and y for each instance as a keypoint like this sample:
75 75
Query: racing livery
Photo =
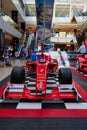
39 73
81 64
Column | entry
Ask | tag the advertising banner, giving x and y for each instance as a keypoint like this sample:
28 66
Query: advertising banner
44 12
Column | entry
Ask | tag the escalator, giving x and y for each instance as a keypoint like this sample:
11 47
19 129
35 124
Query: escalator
18 53
30 42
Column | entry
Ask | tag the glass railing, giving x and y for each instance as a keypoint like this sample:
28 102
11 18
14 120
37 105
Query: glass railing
21 4
30 10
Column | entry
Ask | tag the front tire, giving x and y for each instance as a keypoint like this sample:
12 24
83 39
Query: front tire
18 75
65 76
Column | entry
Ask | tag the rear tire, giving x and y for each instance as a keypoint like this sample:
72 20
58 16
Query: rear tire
18 75
65 76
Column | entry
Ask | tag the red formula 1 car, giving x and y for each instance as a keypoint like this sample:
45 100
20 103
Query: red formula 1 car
81 64
40 80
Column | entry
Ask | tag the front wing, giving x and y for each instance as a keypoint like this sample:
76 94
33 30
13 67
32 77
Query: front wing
21 91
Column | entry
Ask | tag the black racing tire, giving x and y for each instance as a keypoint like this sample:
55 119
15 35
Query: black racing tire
18 75
65 76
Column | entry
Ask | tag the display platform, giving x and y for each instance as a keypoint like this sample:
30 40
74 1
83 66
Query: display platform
45 114
53 108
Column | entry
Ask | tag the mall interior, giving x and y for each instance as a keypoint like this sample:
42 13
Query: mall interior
57 29
19 18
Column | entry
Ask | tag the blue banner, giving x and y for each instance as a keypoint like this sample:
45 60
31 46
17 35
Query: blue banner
44 11
48 47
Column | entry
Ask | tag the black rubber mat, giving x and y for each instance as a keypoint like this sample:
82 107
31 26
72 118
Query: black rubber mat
82 82
8 105
4 80
43 123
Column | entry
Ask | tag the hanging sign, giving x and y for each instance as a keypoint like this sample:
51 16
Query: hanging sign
44 12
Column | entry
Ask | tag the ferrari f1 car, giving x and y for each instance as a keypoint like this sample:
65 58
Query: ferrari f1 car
81 64
40 80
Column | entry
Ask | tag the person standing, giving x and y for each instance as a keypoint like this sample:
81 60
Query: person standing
86 44
6 55
82 48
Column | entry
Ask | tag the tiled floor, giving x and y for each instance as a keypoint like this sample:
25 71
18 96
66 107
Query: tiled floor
6 70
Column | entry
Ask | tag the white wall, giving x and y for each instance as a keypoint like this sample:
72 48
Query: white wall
5 26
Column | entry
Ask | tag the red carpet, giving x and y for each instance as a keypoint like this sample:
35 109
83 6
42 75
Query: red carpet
42 113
